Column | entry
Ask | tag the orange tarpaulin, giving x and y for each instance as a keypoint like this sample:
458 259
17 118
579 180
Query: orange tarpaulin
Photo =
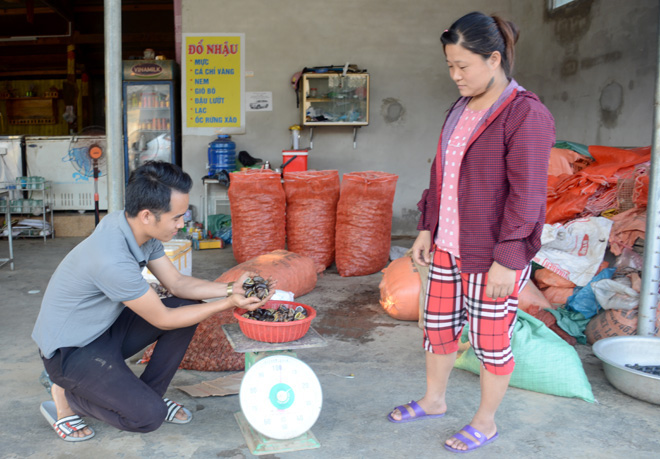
568 195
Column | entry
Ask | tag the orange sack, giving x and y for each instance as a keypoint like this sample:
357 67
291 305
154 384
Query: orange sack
562 161
257 203
545 278
557 296
554 288
293 272
530 299
364 222
627 228
311 214
615 322
399 289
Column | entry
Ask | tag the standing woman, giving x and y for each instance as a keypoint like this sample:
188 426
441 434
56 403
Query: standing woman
481 222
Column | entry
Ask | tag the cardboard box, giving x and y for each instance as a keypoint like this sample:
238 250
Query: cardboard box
211 244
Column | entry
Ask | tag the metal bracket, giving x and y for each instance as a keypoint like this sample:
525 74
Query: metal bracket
311 137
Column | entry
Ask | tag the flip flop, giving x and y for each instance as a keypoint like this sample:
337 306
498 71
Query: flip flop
172 409
407 417
67 425
471 444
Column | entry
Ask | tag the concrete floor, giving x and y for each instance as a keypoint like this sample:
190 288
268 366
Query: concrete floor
384 355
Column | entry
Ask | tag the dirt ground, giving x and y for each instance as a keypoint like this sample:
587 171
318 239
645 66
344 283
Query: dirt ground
383 354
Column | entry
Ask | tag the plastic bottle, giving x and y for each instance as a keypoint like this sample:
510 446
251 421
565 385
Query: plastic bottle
222 155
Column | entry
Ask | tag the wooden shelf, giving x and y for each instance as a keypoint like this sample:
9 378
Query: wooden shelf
23 121
32 110
336 123
47 95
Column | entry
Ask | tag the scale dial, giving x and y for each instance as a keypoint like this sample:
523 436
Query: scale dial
281 397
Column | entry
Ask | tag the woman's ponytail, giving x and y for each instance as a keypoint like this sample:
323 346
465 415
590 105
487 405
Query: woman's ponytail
510 33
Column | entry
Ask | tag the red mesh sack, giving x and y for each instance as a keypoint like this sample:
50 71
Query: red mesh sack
257 203
293 272
364 222
311 214
209 349
640 194
399 289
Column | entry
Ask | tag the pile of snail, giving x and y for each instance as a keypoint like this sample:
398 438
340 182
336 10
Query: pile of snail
282 314
256 286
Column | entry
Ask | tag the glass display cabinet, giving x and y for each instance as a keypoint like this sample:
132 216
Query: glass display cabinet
150 113
335 99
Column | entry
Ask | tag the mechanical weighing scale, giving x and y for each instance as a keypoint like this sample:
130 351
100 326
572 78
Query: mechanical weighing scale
280 395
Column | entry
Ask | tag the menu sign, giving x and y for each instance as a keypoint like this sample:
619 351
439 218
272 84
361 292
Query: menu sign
213 84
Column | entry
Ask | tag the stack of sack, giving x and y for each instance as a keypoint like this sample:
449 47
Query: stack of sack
314 216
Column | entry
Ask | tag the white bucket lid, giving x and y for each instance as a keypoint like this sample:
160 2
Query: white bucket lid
294 152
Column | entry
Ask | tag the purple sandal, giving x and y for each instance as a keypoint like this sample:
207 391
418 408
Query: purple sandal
407 417
471 444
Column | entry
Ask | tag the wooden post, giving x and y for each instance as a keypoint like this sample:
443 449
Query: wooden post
70 89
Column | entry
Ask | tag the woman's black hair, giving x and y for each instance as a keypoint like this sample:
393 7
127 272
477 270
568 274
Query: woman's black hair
150 187
484 35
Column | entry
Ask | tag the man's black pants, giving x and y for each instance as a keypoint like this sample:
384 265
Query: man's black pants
98 383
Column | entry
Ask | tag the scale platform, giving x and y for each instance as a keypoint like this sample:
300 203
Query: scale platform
281 394
243 344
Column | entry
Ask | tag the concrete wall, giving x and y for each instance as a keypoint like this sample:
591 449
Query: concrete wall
595 70
592 65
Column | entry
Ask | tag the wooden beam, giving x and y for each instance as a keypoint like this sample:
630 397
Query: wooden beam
23 11
146 7
61 7
86 9
146 37
29 5
22 73
34 60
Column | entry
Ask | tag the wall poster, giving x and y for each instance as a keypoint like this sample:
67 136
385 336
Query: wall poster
213 84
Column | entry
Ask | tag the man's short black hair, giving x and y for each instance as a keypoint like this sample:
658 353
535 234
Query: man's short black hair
150 187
